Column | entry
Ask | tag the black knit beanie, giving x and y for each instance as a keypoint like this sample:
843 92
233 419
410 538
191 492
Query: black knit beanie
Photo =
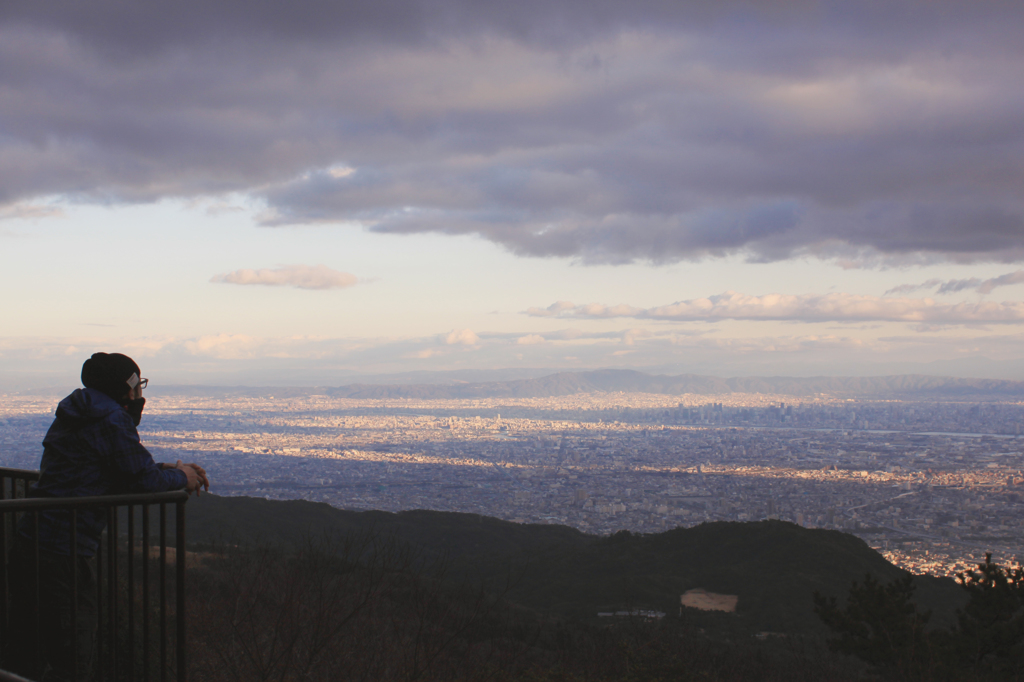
109 373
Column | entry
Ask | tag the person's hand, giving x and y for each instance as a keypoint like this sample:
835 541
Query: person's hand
192 478
204 480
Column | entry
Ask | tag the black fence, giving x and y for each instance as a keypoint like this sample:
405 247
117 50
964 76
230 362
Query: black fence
140 630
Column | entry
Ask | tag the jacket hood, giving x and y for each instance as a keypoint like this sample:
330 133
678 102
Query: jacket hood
83 406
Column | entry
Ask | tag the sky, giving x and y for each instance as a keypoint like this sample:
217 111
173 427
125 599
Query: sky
271 193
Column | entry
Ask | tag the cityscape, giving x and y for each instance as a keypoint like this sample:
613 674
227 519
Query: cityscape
933 486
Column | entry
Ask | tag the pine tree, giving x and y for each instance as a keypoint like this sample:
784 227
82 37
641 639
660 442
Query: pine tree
990 631
880 625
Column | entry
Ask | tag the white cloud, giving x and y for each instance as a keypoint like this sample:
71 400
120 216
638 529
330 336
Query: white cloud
630 336
530 340
236 359
787 344
29 211
552 310
338 172
838 307
226 346
298 276
462 337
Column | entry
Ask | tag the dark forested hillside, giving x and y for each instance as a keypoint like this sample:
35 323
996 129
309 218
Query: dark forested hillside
773 567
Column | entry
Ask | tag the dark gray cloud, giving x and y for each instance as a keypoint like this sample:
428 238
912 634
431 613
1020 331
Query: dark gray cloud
127 28
904 289
608 131
953 286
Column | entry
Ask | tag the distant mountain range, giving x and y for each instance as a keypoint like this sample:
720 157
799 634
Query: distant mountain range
913 386
772 566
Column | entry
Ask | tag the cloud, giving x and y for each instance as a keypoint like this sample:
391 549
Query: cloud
299 276
788 344
952 286
630 336
232 359
988 285
530 340
462 337
904 289
552 310
633 130
835 307
29 211
225 346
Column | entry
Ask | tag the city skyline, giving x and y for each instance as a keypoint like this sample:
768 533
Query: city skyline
261 196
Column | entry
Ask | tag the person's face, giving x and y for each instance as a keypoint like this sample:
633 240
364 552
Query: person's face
136 392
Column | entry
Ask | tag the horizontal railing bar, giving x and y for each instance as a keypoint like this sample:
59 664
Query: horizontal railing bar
109 657
38 503
30 474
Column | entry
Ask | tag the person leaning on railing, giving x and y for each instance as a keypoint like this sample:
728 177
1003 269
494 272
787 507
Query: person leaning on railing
92 448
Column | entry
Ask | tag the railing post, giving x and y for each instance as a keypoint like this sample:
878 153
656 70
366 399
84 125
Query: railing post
112 587
131 593
35 573
74 590
99 607
4 604
179 553
163 592
145 593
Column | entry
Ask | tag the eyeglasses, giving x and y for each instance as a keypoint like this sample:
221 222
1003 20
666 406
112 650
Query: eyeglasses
142 383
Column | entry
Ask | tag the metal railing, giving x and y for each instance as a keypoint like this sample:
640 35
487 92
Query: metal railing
130 608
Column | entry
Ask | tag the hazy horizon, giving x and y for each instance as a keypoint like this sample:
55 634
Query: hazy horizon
58 384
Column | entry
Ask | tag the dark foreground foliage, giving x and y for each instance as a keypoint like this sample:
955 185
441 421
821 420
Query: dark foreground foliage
369 608
772 566
353 609
881 625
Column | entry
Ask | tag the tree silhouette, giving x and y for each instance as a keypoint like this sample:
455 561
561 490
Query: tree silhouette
880 625
990 629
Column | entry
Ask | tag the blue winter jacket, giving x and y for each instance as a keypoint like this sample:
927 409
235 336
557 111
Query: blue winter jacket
92 448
